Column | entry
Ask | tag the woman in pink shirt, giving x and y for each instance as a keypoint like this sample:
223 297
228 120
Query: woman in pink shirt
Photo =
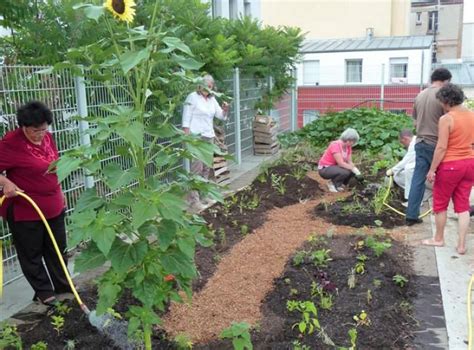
336 163
25 156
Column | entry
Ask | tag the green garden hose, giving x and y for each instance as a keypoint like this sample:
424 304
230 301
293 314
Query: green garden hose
390 183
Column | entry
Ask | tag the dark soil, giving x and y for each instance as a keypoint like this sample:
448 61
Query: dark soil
388 306
357 211
229 217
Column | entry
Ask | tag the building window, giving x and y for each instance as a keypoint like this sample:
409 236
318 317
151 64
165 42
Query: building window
247 8
432 21
398 70
310 72
310 116
216 8
418 19
354 71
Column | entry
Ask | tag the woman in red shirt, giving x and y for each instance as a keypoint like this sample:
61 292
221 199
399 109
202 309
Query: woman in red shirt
25 156
452 169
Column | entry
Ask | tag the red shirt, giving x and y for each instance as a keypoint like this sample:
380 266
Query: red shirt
335 147
26 165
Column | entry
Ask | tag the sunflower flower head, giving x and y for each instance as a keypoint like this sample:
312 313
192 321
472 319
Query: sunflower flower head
122 9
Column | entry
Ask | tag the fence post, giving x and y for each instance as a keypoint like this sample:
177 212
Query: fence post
294 102
238 146
382 87
85 138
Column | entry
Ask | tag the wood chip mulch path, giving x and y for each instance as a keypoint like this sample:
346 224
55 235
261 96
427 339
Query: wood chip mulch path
245 275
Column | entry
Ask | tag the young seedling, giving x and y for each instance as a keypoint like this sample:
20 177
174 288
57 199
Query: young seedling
298 172
351 280
400 280
376 282
377 247
299 257
62 309
70 344
239 334
287 281
360 265
353 338
309 315
362 319
298 346
244 229
41 345
9 336
293 292
58 323
325 299
221 235
369 296
278 183
321 257
183 342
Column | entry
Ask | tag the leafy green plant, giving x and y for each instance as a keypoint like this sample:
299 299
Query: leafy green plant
378 130
222 235
41 345
325 299
239 334
309 315
360 265
362 319
278 183
321 257
298 346
353 338
376 282
379 165
62 308
293 292
400 280
376 246
298 172
369 296
9 336
183 342
58 323
299 257
378 200
244 229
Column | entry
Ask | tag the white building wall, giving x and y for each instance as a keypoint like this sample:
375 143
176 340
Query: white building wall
468 41
332 66
223 8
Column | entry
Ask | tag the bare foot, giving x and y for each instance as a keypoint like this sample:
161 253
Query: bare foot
432 242
461 251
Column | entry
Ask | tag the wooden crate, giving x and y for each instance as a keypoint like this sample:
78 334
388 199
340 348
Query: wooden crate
265 135
221 171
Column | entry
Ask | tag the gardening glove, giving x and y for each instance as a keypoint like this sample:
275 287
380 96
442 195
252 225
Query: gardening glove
389 172
356 172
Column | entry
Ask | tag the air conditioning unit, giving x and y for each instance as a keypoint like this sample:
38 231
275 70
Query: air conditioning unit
400 81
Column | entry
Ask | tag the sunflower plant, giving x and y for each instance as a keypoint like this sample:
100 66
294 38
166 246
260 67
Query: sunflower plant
141 228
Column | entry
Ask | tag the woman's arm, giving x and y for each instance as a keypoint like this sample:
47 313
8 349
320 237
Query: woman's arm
444 128
343 164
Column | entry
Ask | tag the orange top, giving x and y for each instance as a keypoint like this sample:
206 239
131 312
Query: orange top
461 138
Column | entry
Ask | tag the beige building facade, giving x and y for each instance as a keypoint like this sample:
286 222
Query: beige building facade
442 19
322 19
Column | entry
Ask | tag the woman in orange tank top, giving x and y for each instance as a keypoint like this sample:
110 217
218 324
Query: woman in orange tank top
452 169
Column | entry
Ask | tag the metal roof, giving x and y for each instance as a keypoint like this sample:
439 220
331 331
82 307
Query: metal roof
463 73
367 44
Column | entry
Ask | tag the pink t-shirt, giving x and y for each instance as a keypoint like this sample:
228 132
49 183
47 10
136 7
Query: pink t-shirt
334 147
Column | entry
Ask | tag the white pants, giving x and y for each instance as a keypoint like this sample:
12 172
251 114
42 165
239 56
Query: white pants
403 179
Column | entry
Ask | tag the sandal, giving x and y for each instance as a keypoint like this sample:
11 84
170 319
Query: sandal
50 302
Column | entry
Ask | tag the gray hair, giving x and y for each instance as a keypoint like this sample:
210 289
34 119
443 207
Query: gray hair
350 135
208 79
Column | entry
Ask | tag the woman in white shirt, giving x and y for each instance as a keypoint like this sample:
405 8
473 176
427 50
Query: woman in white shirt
200 109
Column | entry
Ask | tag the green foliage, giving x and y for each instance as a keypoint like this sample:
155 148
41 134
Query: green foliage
41 345
400 280
239 334
321 257
325 299
57 321
9 337
183 342
378 130
309 315
278 183
299 257
378 247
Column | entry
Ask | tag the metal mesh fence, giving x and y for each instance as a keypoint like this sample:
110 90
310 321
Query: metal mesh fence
61 91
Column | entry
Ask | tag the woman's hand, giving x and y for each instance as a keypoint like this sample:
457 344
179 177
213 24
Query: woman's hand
186 131
225 108
9 188
431 176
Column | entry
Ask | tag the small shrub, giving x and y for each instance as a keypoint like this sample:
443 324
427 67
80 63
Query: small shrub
239 334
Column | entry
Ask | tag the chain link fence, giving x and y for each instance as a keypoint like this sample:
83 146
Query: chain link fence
69 96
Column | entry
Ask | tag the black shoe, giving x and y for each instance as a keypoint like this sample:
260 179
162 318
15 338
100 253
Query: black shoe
411 222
